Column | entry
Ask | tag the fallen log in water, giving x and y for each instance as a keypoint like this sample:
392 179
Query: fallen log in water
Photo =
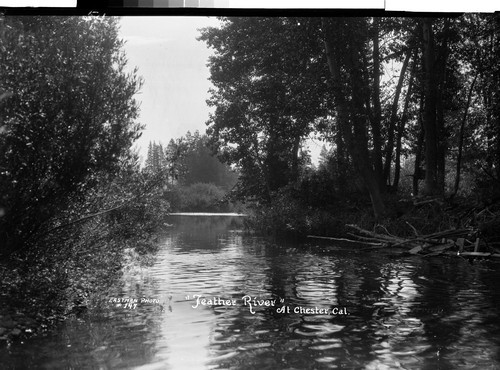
451 242
344 240
474 254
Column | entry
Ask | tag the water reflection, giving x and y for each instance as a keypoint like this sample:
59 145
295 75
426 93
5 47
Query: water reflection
402 312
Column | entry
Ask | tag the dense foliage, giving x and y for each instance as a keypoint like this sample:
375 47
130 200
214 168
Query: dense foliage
196 179
263 107
73 198
383 93
70 118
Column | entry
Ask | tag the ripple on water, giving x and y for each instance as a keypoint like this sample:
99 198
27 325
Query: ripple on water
405 313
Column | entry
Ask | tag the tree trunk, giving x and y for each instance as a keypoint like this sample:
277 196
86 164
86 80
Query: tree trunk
376 119
440 124
341 160
461 137
494 95
430 128
418 149
264 172
394 116
295 158
352 115
401 127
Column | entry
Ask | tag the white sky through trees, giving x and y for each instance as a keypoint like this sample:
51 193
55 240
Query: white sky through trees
173 65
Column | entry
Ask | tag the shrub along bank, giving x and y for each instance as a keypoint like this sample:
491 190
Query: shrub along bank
68 270
72 196
465 226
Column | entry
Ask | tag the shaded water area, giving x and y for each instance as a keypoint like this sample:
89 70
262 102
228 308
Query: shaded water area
334 307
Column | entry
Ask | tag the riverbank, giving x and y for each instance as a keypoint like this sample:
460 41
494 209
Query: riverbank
456 225
65 268
37 300
33 303
208 214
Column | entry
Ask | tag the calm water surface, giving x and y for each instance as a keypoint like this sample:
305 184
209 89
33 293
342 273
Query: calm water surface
395 313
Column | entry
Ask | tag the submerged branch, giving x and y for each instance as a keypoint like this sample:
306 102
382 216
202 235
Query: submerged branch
345 240
451 242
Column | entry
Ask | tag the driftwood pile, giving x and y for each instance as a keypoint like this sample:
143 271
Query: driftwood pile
472 230
465 242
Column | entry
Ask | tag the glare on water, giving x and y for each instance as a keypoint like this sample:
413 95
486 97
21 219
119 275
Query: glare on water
307 306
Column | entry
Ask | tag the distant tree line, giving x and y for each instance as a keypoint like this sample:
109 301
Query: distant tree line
197 180
380 91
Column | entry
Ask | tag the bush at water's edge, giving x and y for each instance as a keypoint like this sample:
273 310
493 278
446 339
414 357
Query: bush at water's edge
201 197
69 270
288 215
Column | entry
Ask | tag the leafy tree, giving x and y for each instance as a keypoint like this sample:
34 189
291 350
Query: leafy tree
200 197
189 160
346 44
259 132
475 139
155 161
203 167
172 159
71 117
266 96
277 80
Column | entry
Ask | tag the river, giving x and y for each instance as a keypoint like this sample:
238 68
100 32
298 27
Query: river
215 298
